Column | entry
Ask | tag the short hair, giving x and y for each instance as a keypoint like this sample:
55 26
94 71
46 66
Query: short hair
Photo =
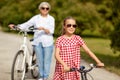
44 3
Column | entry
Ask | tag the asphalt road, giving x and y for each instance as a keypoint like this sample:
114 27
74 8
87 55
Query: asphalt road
9 44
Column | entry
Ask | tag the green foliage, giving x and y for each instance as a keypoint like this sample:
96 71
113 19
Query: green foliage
17 11
89 14
115 40
114 36
94 18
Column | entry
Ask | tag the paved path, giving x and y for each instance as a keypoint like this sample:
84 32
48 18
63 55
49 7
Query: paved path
9 44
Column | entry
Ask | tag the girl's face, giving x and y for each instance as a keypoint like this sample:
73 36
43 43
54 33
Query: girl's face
44 10
70 26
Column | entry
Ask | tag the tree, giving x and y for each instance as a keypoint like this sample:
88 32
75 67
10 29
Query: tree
91 15
114 37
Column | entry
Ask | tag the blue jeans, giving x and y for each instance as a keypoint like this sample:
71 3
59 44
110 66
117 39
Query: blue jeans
44 55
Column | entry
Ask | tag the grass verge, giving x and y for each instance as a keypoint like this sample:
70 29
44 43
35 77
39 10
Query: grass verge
101 48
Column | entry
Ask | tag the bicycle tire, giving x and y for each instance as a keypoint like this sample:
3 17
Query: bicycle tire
89 76
35 70
16 72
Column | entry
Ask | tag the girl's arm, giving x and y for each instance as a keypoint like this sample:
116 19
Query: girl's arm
58 58
92 55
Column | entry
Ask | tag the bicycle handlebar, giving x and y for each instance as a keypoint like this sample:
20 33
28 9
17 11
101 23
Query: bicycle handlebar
82 69
29 29
32 28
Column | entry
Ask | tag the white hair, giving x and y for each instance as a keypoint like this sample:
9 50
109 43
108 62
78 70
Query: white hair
44 3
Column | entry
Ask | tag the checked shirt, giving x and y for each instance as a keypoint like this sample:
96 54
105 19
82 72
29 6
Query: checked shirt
70 54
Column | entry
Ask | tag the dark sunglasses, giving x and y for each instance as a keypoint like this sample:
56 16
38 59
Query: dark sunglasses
73 25
43 8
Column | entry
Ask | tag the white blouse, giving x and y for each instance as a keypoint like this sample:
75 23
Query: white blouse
39 35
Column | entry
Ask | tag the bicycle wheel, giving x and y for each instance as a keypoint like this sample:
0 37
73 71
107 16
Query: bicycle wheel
89 77
18 66
35 70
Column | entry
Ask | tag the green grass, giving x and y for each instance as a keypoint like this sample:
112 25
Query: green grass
101 48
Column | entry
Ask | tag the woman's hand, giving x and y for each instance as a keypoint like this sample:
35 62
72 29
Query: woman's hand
41 28
46 30
11 26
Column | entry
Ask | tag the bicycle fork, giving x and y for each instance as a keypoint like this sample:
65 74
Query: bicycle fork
83 76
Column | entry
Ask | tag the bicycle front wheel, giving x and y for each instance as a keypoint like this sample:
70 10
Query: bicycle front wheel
89 77
18 66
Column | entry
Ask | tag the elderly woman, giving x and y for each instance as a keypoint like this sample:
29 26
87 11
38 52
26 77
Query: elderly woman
43 38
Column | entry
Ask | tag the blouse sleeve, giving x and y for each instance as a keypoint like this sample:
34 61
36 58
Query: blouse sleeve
57 45
52 25
27 24
80 40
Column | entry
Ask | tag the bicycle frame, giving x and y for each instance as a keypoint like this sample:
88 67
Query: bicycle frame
83 76
27 55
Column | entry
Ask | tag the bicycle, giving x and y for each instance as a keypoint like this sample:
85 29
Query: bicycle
24 60
84 72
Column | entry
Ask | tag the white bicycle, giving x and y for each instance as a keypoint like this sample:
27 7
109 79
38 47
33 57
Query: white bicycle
24 60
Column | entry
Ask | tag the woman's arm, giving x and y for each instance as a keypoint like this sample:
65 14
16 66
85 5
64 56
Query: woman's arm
27 24
92 55
51 25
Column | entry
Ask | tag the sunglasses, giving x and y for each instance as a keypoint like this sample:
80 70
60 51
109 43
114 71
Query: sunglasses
73 25
43 8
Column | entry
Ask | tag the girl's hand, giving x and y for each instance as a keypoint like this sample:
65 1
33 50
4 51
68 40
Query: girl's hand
100 64
66 68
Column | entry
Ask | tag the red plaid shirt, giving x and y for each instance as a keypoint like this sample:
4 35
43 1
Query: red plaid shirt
70 54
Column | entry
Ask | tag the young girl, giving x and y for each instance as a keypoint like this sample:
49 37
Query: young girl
67 52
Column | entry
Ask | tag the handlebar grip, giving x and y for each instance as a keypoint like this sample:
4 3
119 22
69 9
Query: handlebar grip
32 28
93 65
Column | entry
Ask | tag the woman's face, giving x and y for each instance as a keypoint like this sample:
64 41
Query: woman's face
44 10
70 26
